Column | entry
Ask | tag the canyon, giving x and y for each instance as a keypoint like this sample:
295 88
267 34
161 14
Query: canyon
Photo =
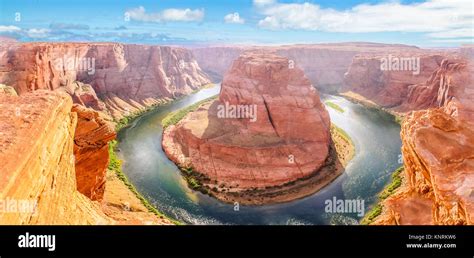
61 101
62 170
436 101
287 139
36 151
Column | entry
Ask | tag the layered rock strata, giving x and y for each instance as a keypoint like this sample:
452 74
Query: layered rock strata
127 78
438 153
93 132
37 172
323 64
54 158
389 79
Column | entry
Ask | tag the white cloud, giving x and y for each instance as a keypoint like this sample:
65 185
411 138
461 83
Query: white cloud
440 18
9 28
261 3
38 33
233 18
167 15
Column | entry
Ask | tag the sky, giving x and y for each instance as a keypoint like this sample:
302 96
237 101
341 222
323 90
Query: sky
425 23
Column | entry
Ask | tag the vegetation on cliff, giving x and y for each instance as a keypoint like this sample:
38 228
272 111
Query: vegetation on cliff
386 192
394 184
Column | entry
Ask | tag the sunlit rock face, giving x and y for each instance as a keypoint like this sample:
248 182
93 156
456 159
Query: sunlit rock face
287 119
38 164
54 165
438 151
125 77
93 132
389 79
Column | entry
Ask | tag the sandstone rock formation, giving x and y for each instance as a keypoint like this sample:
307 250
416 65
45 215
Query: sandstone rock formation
47 153
126 77
391 87
438 152
288 140
93 132
323 64
36 152
84 94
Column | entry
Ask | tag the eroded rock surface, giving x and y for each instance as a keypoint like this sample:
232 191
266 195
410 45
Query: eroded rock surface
438 153
93 132
36 153
289 138
127 78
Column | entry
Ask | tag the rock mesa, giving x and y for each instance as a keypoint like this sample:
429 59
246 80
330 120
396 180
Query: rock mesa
288 140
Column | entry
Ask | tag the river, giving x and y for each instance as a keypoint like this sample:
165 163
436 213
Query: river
377 141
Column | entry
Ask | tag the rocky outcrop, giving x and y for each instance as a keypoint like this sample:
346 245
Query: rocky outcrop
54 166
126 77
287 137
93 132
438 153
37 172
323 64
84 94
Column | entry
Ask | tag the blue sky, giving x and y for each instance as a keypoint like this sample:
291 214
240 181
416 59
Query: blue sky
426 23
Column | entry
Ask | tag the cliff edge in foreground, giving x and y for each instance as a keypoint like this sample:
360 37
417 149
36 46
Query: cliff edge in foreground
54 158
438 154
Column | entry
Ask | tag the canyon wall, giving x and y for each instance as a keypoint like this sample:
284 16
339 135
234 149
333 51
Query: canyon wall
391 87
400 81
37 172
323 64
438 151
68 182
126 78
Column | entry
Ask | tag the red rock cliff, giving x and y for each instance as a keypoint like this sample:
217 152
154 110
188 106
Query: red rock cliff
36 153
389 87
93 132
438 152
125 77
54 165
